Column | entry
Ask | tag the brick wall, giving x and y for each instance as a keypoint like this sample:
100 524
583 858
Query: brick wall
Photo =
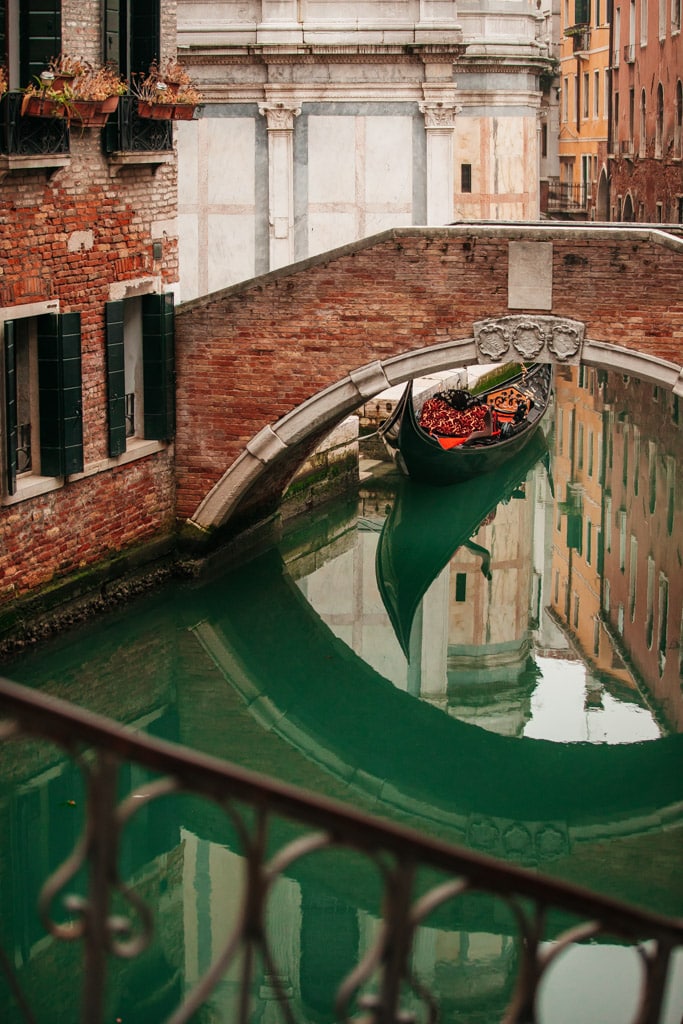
250 354
83 235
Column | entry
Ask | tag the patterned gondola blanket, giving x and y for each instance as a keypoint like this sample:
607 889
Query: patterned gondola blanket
438 417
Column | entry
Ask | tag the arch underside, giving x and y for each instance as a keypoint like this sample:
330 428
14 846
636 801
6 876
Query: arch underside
271 457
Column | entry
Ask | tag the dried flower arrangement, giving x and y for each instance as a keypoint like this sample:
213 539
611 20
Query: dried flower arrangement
74 88
167 91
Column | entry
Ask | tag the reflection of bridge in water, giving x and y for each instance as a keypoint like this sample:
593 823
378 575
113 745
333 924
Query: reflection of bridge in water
526 799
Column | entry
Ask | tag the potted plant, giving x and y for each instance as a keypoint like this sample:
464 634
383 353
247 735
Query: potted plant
166 92
73 88
94 95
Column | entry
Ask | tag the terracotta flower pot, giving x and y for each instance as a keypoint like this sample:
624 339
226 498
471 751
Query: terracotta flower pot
40 106
88 113
183 111
156 111
109 105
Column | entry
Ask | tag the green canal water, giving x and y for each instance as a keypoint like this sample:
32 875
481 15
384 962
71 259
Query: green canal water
403 651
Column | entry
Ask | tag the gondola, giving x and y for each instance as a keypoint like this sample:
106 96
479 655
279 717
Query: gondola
427 525
462 435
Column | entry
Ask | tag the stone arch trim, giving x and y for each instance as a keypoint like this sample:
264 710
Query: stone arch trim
331 405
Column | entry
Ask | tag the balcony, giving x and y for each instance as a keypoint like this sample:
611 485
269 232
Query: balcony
420 876
580 35
129 139
30 142
569 198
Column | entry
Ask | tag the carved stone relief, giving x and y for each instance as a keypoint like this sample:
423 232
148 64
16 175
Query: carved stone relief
549 339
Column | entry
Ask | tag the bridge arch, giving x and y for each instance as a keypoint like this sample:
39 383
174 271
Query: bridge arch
288 441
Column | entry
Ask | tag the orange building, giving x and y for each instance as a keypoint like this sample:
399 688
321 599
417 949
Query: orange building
583 193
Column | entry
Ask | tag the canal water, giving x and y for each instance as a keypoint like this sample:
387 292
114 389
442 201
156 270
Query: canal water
497 664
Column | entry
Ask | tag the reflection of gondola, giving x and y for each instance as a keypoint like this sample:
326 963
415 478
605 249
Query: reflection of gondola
428 524
477 436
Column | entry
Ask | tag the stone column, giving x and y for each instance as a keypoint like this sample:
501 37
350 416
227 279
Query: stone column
280 120
439 118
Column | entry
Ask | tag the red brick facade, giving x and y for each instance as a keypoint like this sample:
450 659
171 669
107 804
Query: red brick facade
77 231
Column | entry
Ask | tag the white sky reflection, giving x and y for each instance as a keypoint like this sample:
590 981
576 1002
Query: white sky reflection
561 712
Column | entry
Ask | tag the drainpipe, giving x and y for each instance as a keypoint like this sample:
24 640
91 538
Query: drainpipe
610 87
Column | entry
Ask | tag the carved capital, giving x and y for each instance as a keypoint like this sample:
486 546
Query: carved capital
280 118
549 339
440 115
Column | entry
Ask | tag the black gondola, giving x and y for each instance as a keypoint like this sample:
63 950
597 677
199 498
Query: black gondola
510 414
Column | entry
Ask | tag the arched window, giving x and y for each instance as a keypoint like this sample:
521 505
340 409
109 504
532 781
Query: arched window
659 131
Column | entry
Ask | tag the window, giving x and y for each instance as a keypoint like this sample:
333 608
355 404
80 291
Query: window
461 586
596 94
586 94
643 22
42 413
30 34
465 177
675 15
131 34
662 19
678 122
659 128
140 369
565 99
642 143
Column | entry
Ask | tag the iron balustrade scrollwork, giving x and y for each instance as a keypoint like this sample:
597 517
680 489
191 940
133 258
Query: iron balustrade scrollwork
30 136
375 990
127 132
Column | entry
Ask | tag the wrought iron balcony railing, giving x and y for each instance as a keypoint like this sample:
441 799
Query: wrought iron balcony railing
126 132
30 136
568 196
376 988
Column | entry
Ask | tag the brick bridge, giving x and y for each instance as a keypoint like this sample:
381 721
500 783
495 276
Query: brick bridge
267 368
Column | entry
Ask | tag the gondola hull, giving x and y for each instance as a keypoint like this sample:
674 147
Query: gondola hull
421 457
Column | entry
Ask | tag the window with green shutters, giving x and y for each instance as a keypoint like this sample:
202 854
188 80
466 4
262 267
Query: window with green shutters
140 370
42 398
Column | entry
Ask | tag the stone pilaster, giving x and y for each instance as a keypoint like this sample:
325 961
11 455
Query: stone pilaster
439 115
280 119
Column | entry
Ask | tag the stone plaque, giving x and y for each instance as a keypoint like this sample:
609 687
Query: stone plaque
530 275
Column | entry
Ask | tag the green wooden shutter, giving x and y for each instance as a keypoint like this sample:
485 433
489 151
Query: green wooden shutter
10 409
40 36
59 394
158 366
116 377
112 34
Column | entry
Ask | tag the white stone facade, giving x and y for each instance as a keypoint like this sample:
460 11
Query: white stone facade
329 121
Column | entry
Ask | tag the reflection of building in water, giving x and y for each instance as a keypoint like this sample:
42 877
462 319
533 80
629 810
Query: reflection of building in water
643 592
489 661
618 443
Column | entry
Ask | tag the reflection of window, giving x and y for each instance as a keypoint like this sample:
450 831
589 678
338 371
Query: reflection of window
607 595
608 522
460 586
652 475
589 541
621 522
670 493
591 444
632 577
140 369
662 631
576 611
649 621
41 392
